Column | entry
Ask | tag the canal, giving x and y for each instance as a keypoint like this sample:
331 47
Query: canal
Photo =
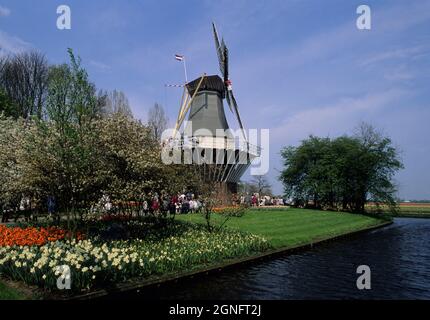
398 256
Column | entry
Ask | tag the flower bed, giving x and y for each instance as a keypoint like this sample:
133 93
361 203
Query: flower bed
95 264
16 236
233 211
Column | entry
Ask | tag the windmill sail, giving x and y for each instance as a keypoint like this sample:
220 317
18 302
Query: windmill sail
233 105
223 59
219 50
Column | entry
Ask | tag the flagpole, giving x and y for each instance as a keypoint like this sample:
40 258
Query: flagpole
185 70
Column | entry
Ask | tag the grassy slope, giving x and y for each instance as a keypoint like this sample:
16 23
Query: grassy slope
290 227
7 293
283 228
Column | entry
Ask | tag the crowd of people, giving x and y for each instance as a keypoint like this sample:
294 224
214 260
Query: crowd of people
158 204
256 200
176 204
151 204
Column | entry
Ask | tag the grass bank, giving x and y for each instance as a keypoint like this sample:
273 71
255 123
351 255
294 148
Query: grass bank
9 293
282 229
290 226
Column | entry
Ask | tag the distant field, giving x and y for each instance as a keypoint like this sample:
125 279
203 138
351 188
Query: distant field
412 209
415 209
414 204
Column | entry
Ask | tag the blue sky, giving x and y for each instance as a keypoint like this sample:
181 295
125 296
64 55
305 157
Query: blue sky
298 67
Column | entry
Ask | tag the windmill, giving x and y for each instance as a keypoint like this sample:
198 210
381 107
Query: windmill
207 133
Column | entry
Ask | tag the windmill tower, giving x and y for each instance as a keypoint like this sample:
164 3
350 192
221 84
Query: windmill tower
207 133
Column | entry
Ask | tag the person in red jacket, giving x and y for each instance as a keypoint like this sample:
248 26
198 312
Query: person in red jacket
155 205
254 200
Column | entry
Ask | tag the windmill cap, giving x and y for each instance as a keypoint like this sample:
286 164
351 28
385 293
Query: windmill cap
210 83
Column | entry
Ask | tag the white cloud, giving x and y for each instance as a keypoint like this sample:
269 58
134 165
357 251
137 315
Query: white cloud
338 41
401 17
4 12
110 18
400 73
11 44
100 65
399 53
332 120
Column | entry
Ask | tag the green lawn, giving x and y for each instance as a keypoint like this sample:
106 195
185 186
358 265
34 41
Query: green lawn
290 226
7 293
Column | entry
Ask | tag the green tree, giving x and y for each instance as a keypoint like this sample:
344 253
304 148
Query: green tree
261 185
157 120
7 107
24 78
380 161
207 188
76 155
131 156
71 96
11 179
115 102
306 173
60 154
342 173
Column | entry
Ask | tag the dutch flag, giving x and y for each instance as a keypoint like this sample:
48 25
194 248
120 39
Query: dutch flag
179 57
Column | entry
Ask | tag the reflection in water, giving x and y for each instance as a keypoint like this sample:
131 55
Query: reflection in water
398 256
